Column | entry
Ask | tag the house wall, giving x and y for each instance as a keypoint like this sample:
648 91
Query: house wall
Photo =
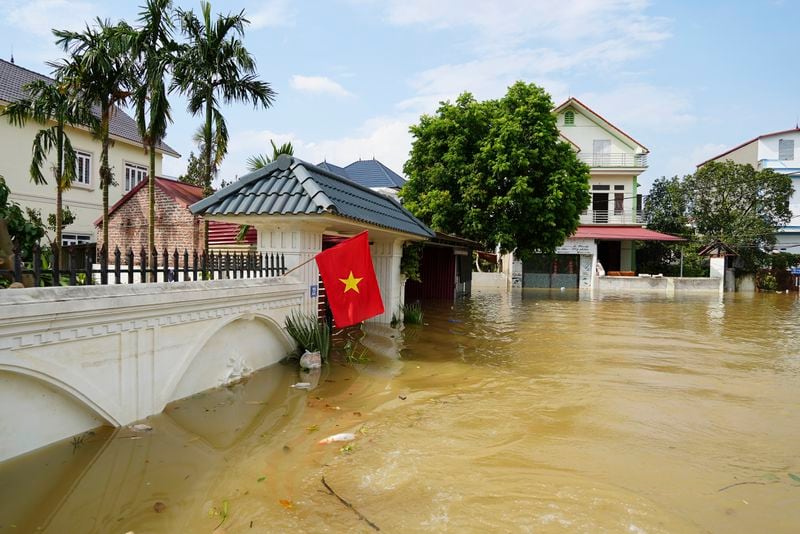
86 202
176 227
746 154
585 131
768 150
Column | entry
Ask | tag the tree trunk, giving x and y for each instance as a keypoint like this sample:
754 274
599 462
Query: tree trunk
207 162
59 185
105 170
151 192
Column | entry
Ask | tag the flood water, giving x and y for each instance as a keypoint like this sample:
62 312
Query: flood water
530 412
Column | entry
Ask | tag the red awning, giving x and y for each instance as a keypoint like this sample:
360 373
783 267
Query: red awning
623 233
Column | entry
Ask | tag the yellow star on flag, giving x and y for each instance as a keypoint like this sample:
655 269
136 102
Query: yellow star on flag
351 282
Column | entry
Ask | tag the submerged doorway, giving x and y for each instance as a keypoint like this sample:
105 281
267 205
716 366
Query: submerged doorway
546 271
608 254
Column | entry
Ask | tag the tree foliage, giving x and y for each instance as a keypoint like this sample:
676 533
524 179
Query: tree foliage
735 203
260 161
497 172
24 225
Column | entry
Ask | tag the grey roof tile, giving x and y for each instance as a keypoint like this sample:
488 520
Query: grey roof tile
13 78
300 188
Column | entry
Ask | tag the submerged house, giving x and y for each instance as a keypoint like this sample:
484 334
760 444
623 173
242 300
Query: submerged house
605 241
295 206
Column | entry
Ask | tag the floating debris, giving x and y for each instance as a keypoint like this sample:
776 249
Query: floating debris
345 436
159 507
302 385
141 427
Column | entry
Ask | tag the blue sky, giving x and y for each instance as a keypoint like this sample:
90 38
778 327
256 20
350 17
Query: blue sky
687 79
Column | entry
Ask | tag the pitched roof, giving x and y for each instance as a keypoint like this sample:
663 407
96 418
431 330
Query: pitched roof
369 173
13 78
572 101
796 129
290 186
184 194
614 233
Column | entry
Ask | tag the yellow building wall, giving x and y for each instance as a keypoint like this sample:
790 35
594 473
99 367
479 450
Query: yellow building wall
86 202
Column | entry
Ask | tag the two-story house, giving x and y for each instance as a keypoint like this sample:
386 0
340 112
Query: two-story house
605 242
127 157
779 151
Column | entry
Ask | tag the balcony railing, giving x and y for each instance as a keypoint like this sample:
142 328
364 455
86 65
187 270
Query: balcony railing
614 160
611 217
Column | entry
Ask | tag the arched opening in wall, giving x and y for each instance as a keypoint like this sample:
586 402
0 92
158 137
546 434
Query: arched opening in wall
34 413
232 352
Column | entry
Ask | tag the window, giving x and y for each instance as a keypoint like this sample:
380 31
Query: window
786 149
601 146
134 174
619 188
83 168
75 239
601 187
569 118
619 202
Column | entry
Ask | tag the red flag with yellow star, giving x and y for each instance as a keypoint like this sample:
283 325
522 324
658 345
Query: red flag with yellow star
350 283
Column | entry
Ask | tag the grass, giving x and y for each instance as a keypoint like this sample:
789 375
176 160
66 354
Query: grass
309 333
412 313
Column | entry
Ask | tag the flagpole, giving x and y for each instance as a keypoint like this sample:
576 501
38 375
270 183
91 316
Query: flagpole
300 265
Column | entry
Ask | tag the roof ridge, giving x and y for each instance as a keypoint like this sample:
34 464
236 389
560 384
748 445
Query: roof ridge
314 192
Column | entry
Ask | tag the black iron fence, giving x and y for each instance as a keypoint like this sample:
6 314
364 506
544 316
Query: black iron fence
46 267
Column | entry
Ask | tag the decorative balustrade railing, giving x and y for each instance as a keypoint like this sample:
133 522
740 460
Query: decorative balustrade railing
613 159
45 268
611 217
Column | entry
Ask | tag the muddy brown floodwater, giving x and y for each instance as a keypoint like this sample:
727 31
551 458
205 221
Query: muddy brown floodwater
531 412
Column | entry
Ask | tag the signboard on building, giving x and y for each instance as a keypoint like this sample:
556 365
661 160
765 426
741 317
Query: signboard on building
582 246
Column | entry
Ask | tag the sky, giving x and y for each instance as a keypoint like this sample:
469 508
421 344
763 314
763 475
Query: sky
688 79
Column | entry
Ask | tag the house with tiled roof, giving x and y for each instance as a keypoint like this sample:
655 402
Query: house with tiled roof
296 208
369 173
779 151
177 228
127 157
612 226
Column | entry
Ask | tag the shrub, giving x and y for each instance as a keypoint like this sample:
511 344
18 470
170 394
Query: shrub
412 313
309 333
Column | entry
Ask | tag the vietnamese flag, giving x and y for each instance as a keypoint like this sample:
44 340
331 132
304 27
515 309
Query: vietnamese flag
350 283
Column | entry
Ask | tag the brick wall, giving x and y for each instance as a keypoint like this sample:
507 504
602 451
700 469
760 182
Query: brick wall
176 227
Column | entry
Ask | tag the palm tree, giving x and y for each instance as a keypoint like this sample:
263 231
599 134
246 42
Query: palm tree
99 66
154 49
262 160
52 103
214 67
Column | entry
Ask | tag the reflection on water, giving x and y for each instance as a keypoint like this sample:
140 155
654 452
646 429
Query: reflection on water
527 412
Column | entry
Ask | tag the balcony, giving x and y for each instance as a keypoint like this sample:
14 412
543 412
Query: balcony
591 216
596 160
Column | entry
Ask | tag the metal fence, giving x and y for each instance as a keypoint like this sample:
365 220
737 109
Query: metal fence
45 268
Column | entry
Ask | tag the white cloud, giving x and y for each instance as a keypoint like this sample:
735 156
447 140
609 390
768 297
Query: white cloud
41 16
643 106
499 25
317 84
384 138
271 14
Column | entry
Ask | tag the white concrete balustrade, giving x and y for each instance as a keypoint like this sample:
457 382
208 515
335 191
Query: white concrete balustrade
74 358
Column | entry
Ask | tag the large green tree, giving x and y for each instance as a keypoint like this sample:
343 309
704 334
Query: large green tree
497 171
739 205
55 106
154 50
100 67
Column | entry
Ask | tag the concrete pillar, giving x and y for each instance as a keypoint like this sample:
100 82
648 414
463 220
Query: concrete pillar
298 244
386 255
586 271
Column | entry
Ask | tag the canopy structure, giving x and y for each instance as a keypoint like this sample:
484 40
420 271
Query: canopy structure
622 233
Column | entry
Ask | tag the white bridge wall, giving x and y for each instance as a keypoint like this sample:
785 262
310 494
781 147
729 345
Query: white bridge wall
73 358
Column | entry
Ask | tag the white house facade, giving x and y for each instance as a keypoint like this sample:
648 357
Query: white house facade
612 224
779 151
128 159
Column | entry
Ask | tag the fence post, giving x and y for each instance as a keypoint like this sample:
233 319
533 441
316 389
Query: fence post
117 258
166 265
130 265
219 264
18 264
37 264
88 268
104 265
185 265
154 266
55 263
283 265
143 266
194 265
73 279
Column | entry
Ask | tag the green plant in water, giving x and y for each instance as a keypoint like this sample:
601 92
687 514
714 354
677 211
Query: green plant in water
309 333
354 353
412 313
221 512
768 282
